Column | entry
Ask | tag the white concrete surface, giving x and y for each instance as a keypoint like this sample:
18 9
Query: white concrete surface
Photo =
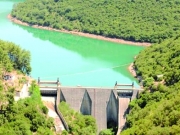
23 93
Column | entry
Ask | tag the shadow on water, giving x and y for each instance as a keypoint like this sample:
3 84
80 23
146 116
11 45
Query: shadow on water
117 54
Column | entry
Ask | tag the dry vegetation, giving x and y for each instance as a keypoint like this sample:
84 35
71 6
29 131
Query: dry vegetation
17 81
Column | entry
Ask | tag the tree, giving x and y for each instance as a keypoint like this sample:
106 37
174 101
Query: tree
106 132
78 124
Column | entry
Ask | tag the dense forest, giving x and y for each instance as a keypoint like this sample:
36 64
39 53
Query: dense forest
160 60
26 116
157 110
134 20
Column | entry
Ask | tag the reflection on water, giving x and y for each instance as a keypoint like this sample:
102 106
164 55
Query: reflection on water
75 60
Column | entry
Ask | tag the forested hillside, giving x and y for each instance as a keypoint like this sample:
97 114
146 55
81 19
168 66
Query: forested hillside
163 59
26 116
157 111
135 20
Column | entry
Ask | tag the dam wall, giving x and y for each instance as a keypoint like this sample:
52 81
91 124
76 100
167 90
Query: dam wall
106 105
102 104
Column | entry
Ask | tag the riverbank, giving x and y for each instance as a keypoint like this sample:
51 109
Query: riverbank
132 70
121 41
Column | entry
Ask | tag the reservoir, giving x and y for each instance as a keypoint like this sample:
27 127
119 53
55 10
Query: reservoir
74 59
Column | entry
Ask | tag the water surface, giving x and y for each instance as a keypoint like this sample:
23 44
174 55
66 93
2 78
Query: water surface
75 60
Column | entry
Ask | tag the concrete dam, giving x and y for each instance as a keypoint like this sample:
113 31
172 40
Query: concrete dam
104 104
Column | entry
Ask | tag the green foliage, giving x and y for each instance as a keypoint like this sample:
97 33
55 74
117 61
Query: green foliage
106 132
157 111
135 20
64 132
44 110
160 117
148 82
44 131
26 116
78 123
13 57
160 59
35 92
22 80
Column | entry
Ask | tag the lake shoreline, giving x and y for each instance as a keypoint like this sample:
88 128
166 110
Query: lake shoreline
121 41
132 70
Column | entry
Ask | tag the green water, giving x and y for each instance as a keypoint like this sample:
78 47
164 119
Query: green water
75 60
